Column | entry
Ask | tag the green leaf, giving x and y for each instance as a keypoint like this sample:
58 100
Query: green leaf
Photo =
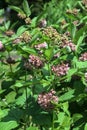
10 97
28 50
21 30
80 41
85 128
26 8
8 125
67 96
32 128
76 117
7 25
1 12
49 53
70 73
81 65
17 9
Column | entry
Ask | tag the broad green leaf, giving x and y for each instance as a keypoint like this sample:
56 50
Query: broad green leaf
81 64
3 113
65 106
49 53
26 8
10 97
18 84
67 96
71 72
8 125
28 50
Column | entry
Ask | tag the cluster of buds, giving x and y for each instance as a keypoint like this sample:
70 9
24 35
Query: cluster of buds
16 41
51 33
9 32
75 22
41 46
25 37
28 20
21 15
10 60
46 100
1 46
27 66
42 23
83 57
63 22
57 55
84 2
61 70
35 61
86 76
69 43
74 11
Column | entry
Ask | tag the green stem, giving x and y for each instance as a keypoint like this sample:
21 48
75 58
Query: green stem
53 121
26 117
10 63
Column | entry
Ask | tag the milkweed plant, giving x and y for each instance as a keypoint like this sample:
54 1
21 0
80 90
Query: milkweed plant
43 65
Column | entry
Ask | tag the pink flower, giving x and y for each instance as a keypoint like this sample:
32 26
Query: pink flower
45 99
83 57
60 70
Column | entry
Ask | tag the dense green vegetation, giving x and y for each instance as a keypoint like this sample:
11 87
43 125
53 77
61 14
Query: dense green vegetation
43 65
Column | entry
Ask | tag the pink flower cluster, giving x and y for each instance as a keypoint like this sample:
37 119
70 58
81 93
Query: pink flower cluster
42 23
83 57
1 46
35 61
57 55
70 44
45 100
42 45
60 70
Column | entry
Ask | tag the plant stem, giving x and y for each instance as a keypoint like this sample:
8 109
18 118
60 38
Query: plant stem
10 63
53 121
26 117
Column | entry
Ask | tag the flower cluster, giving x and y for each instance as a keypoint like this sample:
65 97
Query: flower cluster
57 55
10 60
74 11
1 46
41 45
28 20
69 43
35 61
42 23
83 57
25 37
45 100
51 33
9 32
21 15
16 41
61 70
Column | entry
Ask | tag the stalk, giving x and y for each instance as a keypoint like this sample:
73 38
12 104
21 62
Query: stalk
53 120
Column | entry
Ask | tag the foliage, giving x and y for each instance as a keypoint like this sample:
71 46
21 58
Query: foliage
43 66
